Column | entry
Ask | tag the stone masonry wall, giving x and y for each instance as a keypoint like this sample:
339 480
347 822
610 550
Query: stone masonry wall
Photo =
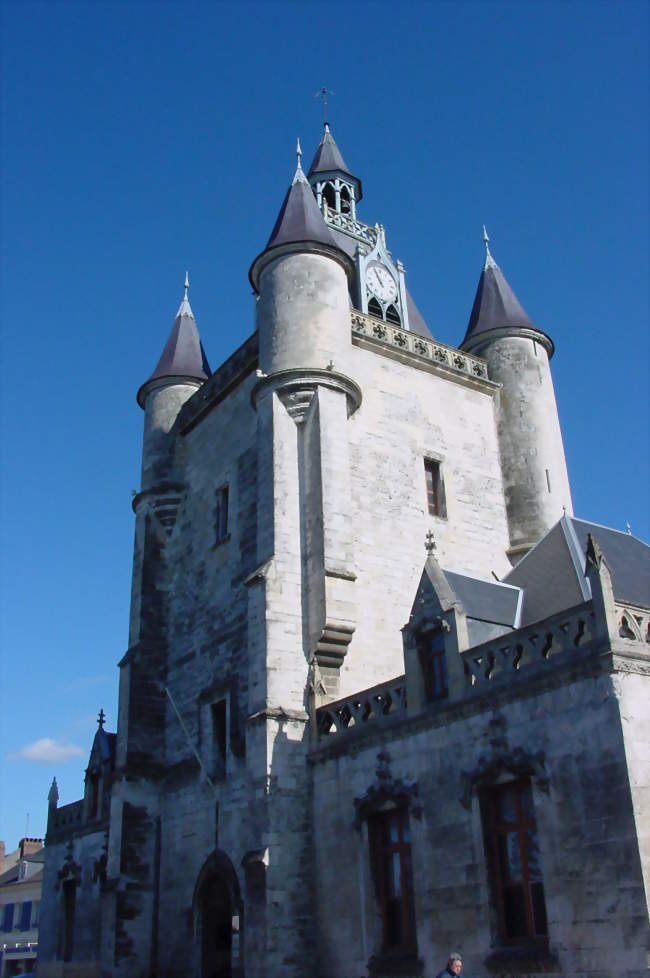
597 913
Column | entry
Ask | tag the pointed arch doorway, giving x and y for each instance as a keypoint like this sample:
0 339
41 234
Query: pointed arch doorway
217 914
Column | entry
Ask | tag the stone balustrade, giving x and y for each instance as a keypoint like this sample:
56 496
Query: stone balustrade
539 642
65 816
633 624
445 357
371 705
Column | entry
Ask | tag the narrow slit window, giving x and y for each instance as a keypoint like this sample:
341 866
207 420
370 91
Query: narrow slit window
93 808
69 900
221 514
433 663
436 504
219 737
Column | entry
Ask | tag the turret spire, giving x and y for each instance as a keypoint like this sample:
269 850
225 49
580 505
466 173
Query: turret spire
183 355
299 176
496 307
489 260
185 309
299 222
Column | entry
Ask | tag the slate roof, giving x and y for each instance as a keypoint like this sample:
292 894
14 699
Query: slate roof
490 601
553 572
328 157
299 218
299 221
183 355
495 305
628 559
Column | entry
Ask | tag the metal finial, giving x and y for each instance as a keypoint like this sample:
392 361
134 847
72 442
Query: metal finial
102 716
298 151
187 284
486 241
429 543
629 529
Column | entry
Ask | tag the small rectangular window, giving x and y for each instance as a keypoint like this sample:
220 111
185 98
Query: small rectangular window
435 488
221 514
391 852
433 663
219 737
516 874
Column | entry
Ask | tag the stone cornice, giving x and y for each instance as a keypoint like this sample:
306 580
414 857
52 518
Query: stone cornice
305 379
374 334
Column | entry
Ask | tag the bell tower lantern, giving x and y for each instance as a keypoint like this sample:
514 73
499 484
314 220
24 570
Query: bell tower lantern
337 190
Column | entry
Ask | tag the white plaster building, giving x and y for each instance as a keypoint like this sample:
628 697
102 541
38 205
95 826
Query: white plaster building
336 754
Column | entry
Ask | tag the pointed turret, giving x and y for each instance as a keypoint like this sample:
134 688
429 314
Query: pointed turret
182 368
183 355
300 220
497 308
302 278
332 179
536 484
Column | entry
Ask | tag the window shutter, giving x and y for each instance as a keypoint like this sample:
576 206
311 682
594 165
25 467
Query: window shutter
8 920
26 915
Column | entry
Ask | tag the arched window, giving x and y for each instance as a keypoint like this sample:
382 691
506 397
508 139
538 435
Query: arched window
374 308
329 194
392 316
346 206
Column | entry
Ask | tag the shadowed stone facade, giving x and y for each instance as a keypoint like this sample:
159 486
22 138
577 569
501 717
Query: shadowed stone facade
314 733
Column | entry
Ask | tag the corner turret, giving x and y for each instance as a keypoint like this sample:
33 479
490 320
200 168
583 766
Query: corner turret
536 483
182 368
302 279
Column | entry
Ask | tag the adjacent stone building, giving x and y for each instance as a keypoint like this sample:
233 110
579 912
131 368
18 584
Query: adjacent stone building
338 754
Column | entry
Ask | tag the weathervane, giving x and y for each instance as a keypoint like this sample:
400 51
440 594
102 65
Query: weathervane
323 93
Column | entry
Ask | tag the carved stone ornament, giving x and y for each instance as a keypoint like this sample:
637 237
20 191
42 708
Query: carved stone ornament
99 866
386 788
70 870
518 762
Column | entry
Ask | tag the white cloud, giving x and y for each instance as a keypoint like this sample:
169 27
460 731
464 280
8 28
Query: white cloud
46 750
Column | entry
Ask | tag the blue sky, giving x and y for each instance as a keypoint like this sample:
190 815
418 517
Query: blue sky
141 139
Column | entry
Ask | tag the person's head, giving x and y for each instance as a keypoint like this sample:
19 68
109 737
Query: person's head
454 964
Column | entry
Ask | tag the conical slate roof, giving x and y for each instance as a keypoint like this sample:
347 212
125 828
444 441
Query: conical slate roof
299 221
183 355
328 156
299 218
495 305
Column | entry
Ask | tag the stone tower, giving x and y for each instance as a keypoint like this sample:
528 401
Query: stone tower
535 479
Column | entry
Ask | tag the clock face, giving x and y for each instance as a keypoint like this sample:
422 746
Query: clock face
380 281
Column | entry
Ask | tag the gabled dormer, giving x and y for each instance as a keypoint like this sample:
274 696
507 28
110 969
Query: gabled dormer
99 772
